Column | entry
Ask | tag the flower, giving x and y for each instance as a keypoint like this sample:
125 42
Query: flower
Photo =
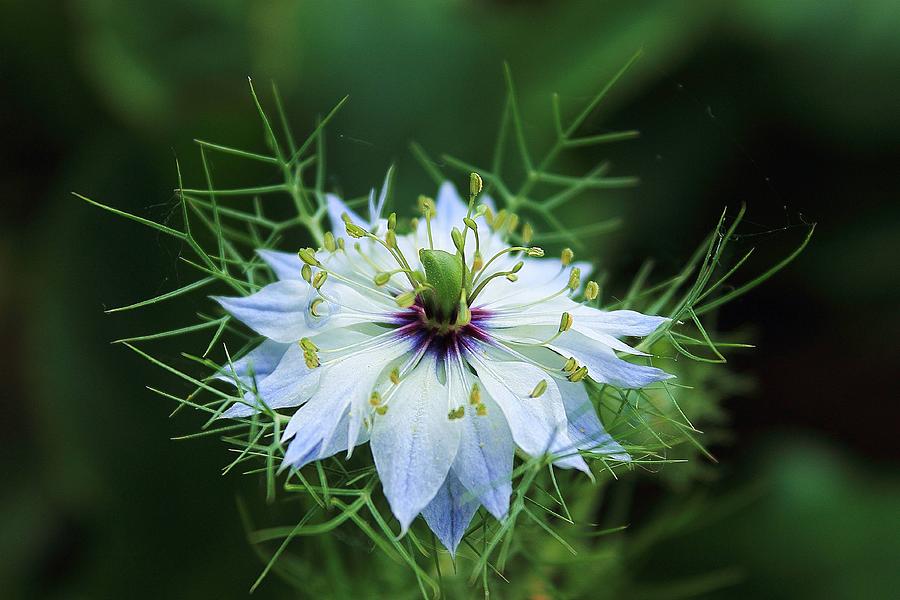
444 348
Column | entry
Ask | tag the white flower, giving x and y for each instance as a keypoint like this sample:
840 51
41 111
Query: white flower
445 366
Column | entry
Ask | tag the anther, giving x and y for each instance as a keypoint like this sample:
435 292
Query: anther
463 313
457 237
500 219
527 233
456 413
578 375
308 255
392 221
481 410
406 299
512 277
395 375
565 322
535 251
517 267
319 279
381 410
591 290
477 262
329 242
306 273
381 279
571 365
390 239
567 256
539 389
354 231
475 395
575 278
314 307
513 222
375 399
471 224
475 184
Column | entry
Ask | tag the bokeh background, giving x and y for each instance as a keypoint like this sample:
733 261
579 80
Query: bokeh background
790 107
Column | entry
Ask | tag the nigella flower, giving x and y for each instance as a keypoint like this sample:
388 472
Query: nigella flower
445 348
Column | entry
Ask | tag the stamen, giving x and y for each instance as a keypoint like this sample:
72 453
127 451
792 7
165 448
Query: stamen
306 273
567 256
329 242
539 389
308 256
591 291
578 375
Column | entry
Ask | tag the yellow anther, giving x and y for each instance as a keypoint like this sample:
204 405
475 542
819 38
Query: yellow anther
512 277
381 410
392 221
406 299
575 278
527 233
457 237
306 273
475 395
592 290
488 215
308 345
314 307
375 399
570 366
345 217
340 243
513 222
381 279
390 239
535 251
463 313
329 242
456 413
475 184
395 375
477 262
565 322
517 267
567 256
354 231
312 361
319 279
578 375
481 410
426 206
539 389
500 219
471 224
308 255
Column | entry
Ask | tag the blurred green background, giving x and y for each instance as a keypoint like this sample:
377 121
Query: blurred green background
791 107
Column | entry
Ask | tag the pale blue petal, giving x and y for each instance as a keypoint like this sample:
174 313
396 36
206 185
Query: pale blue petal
484 461
538 425
260 361
604 366
619 323
278 311
336 209
585 428
414 443
451 210
285 265
291 383
450 512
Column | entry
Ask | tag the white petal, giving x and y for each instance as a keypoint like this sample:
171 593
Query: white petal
485 458
336 210
290 384
585 428
414 443
450 512
603 365
260 362
538 425
285 265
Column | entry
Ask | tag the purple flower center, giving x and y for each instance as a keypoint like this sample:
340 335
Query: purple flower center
439 337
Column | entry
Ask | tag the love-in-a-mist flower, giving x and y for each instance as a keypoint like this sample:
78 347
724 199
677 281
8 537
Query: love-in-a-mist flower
445 348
